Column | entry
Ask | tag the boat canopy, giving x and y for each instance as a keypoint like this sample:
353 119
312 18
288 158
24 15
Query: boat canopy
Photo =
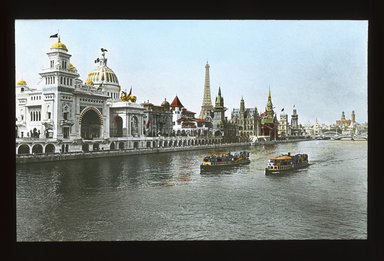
284 157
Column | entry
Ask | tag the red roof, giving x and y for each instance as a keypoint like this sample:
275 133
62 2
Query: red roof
201 120
176 103
186 119
188 112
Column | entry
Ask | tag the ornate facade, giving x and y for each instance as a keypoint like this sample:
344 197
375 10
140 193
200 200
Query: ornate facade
247 120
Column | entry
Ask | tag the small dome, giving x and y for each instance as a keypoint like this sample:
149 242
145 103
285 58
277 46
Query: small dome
165 103
72 68
89 82
59 45
21 83
103 74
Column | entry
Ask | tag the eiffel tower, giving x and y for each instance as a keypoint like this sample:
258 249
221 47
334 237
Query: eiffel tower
207 103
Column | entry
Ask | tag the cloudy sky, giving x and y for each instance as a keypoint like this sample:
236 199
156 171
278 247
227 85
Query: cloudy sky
318 66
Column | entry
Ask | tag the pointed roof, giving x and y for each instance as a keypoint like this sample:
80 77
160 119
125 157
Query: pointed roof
176 103
269 94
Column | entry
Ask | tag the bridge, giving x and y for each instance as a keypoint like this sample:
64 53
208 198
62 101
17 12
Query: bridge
336 136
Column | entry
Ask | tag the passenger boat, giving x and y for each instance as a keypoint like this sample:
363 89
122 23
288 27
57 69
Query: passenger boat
215 160
286 162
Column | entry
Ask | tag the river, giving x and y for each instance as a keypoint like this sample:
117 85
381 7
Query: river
165 197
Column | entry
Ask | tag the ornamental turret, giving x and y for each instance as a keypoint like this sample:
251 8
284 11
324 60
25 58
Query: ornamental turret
60 72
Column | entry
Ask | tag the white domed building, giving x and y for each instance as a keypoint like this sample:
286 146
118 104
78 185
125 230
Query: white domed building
63 114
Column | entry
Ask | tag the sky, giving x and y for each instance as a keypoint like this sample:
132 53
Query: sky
317 67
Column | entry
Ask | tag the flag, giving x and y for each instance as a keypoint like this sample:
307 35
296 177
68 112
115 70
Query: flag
97 60
54 36
293 105
104 50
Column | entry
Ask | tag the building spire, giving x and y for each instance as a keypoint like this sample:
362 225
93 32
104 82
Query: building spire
269 94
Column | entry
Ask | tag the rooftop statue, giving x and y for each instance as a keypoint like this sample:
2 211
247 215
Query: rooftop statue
129 97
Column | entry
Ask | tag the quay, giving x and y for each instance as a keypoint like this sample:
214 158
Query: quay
50 157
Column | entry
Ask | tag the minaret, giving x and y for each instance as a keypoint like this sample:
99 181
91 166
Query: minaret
207 103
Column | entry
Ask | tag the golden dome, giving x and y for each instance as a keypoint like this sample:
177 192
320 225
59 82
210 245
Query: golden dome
103 74
21 82
89 82
59 45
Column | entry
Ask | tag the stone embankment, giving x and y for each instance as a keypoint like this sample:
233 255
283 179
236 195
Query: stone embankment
37 158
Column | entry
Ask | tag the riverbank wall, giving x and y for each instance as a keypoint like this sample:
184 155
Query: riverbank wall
37 158
51 157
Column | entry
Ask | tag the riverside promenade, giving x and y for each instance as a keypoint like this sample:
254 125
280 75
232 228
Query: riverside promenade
50 157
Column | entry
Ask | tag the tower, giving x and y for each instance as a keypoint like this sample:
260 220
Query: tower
218 113
294 120
59 80
353 117
206 107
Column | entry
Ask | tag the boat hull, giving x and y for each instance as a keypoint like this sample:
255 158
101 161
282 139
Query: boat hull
219 166
280 171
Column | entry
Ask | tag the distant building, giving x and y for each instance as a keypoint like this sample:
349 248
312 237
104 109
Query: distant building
157 119
284 128
347 126
343 122
296 129
185 123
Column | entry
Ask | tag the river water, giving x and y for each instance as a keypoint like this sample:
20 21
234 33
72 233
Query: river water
165 197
